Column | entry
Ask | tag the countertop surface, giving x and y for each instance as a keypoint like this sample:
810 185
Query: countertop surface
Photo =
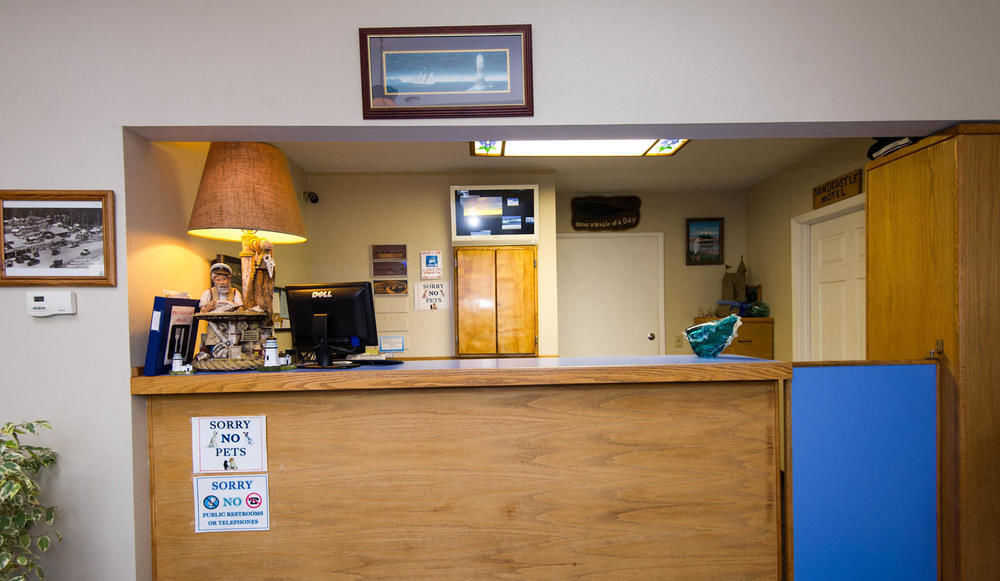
476 373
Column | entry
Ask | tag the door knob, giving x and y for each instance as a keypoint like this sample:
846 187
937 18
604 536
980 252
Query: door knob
651 337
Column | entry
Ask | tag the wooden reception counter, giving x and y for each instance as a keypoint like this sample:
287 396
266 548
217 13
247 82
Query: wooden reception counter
636 467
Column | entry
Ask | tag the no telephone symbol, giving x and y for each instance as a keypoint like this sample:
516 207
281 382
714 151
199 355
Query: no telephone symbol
253 500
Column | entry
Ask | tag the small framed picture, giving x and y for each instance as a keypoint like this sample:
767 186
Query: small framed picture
391 287
704 241
58 238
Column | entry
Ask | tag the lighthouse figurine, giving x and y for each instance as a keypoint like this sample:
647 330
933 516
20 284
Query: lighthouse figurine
271 353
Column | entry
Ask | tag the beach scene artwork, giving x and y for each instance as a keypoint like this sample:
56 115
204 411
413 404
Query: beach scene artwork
442 72
704 242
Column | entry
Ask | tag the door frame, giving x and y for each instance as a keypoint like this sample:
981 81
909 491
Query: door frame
801 257
661 328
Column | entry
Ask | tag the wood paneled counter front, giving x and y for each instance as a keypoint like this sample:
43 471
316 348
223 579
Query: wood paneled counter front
635 467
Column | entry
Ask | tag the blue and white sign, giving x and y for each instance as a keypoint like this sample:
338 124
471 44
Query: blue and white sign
231 503
229 444
430 264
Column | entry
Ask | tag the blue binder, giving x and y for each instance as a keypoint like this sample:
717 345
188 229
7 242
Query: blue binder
172 329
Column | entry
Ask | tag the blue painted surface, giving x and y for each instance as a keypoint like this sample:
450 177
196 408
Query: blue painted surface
864 469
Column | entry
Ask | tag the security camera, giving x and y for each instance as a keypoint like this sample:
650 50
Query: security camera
312 197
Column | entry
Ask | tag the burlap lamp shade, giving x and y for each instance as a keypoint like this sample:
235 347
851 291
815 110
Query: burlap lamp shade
246 187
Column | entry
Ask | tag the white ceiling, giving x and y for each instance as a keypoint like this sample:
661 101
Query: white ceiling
702 165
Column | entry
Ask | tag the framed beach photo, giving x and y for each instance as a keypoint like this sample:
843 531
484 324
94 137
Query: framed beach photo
58 238
703 241
446 71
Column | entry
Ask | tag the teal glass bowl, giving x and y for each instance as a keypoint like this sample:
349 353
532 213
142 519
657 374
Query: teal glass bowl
711 338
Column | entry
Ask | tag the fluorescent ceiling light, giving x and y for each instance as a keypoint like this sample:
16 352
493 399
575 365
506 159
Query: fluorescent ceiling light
578 148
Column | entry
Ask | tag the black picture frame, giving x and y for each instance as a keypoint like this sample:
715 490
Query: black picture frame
233 262
410 72
704 241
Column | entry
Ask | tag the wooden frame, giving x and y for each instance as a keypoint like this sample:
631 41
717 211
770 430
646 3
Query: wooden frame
496 60
704 241
44 231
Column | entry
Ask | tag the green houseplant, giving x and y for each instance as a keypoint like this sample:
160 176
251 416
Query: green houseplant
20 510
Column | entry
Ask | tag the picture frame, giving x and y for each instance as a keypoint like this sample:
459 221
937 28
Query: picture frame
446 71
388 251
390 268
397 287
233 262
704 241
58 238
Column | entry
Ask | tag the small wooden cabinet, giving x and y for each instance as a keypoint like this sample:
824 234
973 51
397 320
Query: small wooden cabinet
754 338
496 301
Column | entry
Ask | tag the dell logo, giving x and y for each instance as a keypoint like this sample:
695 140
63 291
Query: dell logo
322 294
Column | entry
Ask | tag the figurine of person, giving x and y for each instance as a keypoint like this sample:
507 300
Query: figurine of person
260 292
222 297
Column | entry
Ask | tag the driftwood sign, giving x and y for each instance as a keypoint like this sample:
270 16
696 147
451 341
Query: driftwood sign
605 213
837 189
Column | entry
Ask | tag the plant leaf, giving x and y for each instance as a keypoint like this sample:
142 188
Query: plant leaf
43 542
9 489
26 543
5 558
22 560
30 427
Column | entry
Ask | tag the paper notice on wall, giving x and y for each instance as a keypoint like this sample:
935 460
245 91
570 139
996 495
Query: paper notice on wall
430 264
231 503
432 296
229 444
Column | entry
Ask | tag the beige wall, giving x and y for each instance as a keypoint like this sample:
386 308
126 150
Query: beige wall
771 205
687 289
357 210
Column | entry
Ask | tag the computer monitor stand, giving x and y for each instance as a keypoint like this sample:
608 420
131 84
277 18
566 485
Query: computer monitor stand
321 341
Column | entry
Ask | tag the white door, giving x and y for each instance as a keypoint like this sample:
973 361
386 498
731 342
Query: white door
837 288
610 294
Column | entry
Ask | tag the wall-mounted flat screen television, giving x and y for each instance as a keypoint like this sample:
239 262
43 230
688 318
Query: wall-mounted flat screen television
494 214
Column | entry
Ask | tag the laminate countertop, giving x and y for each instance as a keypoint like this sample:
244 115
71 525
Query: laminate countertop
499 372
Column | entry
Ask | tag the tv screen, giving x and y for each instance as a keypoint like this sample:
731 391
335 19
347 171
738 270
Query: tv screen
494 214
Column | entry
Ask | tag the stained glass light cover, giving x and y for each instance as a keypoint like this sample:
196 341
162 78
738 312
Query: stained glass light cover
591 147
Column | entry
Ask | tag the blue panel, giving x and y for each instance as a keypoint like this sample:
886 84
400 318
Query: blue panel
864 469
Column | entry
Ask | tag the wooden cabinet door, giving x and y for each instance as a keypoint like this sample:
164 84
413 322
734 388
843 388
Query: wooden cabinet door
496 306
475 283
912 255
516 317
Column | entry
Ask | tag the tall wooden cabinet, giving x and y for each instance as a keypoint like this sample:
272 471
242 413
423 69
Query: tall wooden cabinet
496 301
933 280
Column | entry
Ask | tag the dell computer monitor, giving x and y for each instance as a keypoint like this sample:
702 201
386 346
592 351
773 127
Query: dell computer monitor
331 320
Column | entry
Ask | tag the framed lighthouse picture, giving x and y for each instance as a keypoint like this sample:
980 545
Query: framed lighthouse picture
446 71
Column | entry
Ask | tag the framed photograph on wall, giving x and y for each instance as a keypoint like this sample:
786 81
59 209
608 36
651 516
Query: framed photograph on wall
233 262
58 238
446 71
704 241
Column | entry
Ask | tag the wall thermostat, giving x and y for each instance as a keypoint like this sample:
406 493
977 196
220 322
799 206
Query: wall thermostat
48 303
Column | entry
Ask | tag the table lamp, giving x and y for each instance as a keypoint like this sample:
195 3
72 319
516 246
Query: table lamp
246 195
